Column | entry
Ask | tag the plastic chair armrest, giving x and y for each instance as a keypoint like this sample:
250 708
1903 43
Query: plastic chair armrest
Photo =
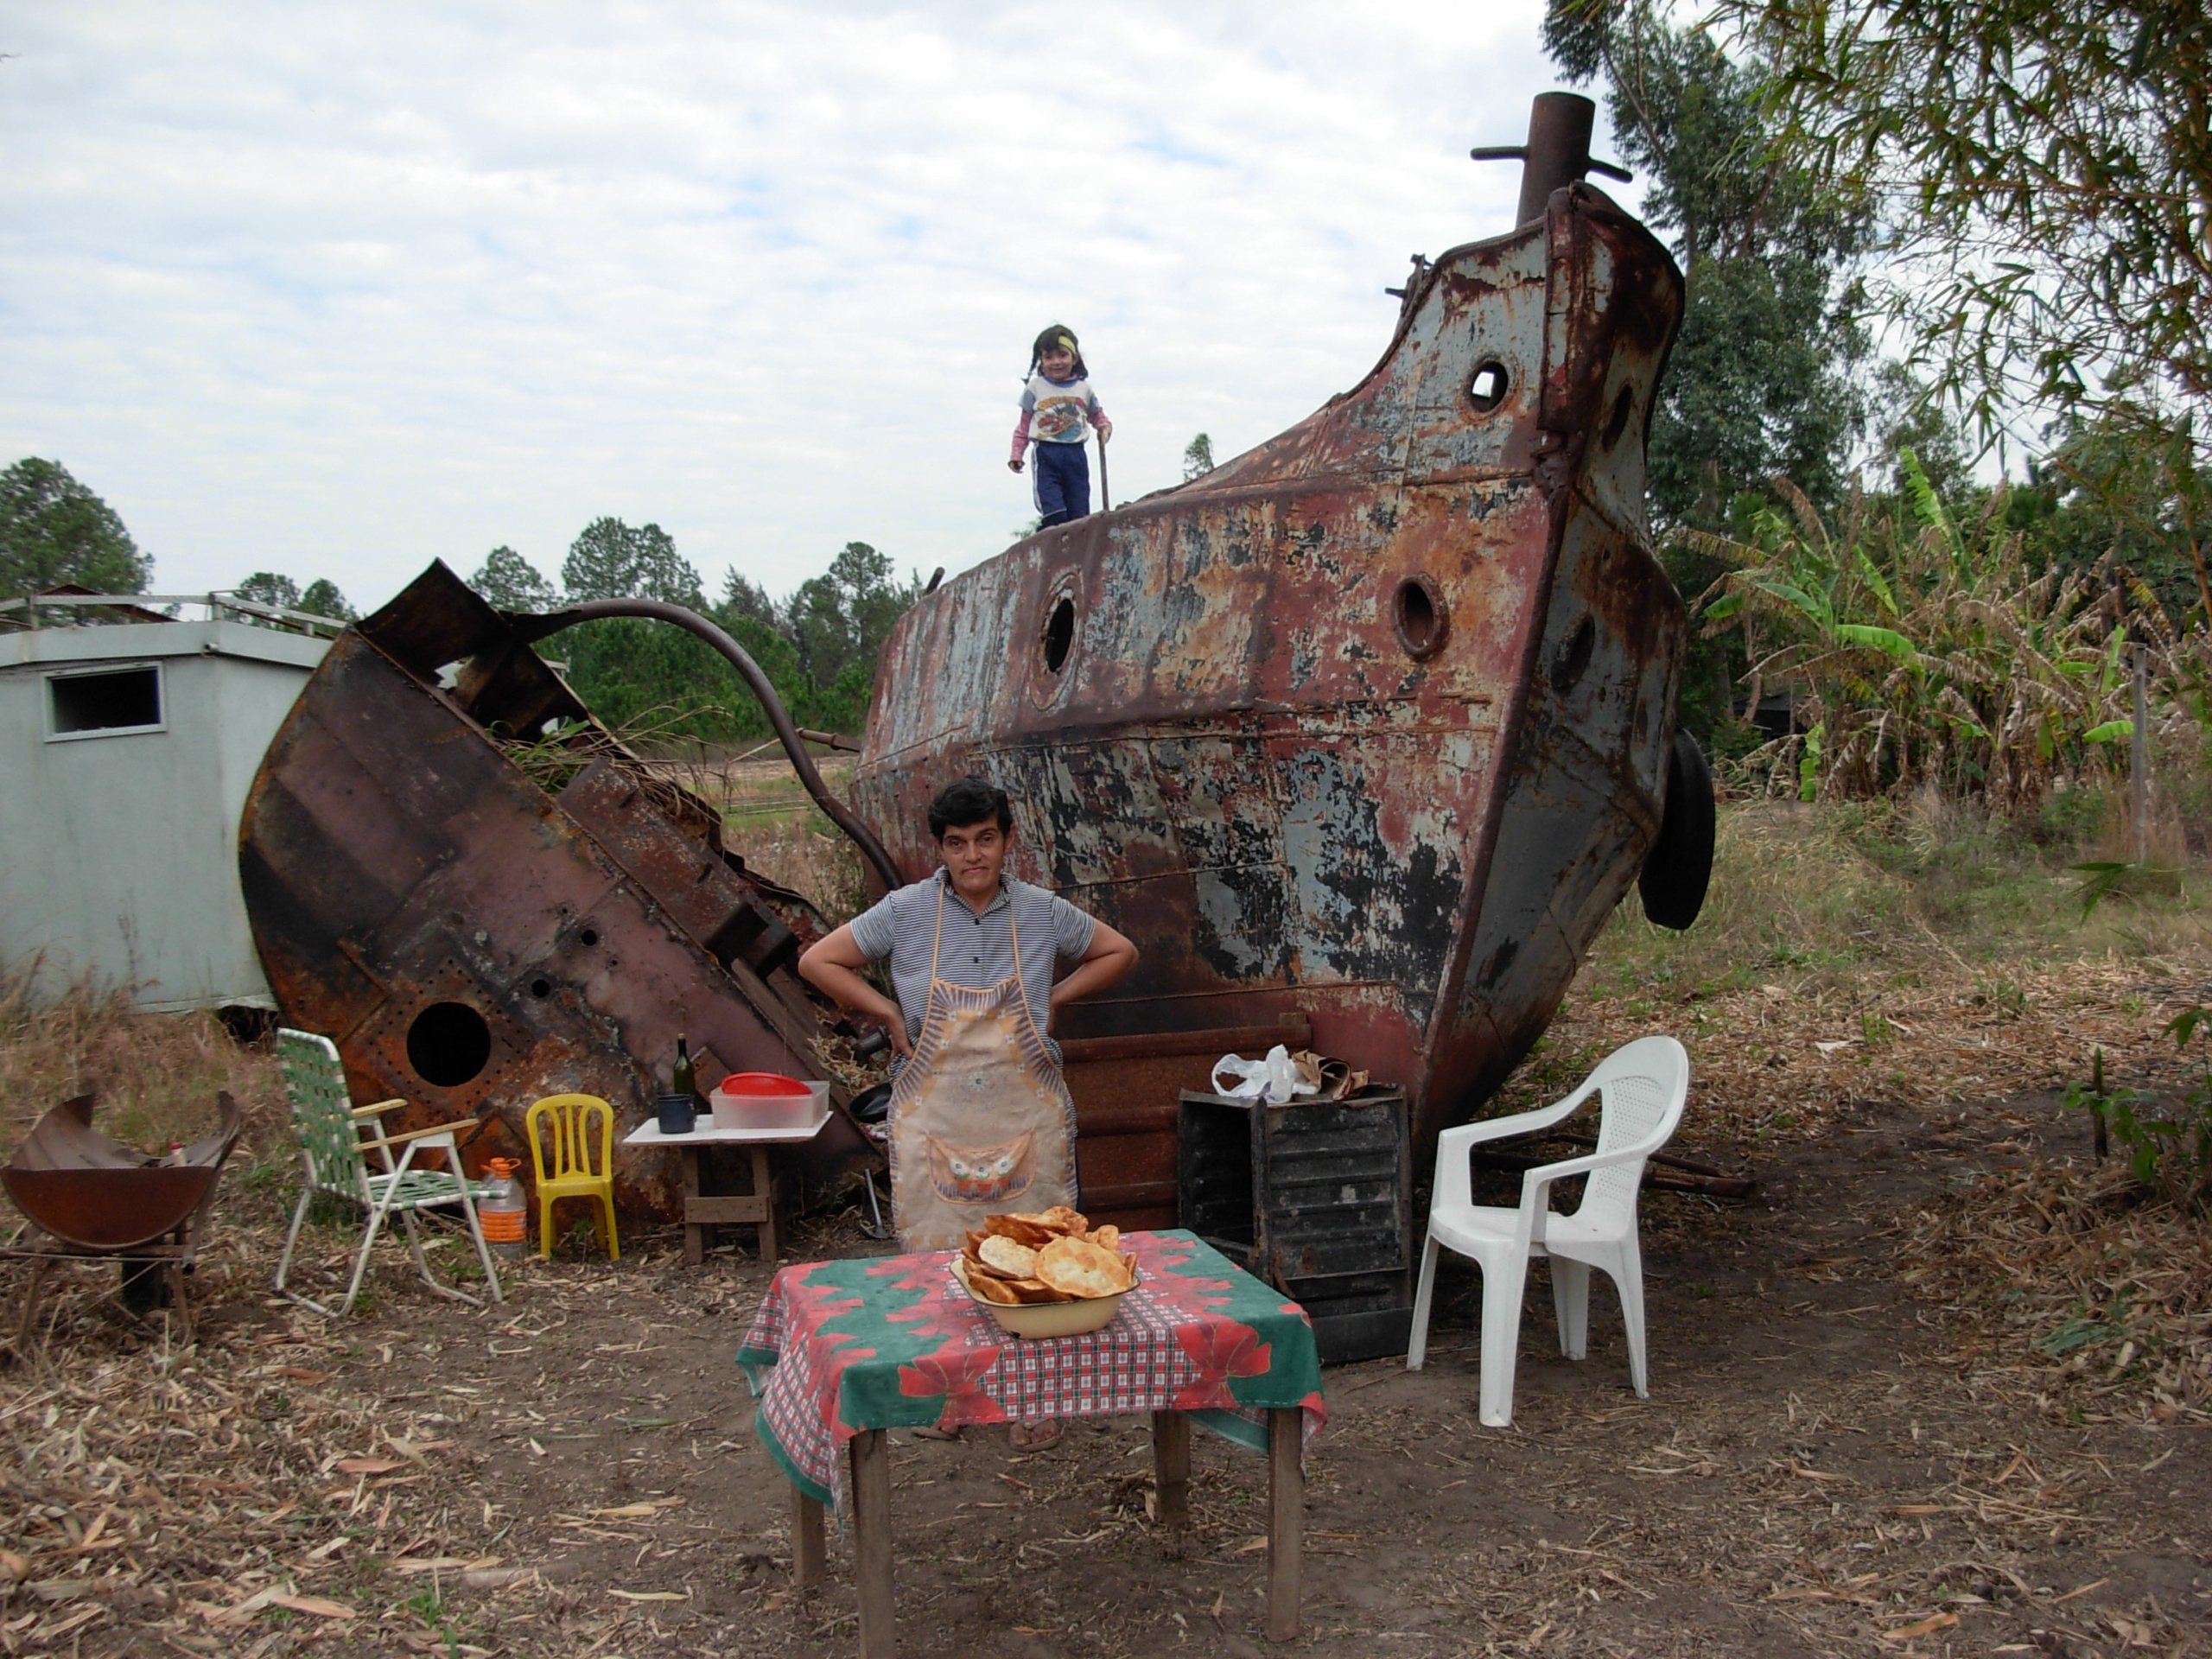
1454 1182
1542 1117
1535 1185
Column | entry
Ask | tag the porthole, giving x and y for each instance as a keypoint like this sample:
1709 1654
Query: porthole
1623 407
589 936
1422 621
1486 387
1574 659
449 1044
1059 634
541 988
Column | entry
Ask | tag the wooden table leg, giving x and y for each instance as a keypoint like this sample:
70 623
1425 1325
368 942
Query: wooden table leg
1171 1468
764 1190
871 1456
695 1232
809 1559
1286 1521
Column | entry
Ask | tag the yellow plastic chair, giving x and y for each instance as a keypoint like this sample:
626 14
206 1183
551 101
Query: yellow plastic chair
572 1177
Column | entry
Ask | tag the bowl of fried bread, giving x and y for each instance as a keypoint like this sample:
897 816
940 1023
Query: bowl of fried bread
1046 1274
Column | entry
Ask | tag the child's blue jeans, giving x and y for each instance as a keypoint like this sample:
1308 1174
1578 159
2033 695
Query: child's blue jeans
1063 481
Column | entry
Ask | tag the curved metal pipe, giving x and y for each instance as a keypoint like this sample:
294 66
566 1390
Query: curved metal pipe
534 628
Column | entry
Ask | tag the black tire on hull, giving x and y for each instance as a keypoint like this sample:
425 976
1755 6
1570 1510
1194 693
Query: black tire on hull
1680 864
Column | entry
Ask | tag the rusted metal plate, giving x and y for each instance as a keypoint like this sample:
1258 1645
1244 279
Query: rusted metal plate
1368 725
473 944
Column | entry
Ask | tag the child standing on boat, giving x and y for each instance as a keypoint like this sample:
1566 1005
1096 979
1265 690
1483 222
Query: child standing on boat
1055 404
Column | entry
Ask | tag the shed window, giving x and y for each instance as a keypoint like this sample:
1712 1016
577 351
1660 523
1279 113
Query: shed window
125 700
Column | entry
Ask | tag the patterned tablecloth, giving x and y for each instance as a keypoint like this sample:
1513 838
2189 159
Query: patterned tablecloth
837 1348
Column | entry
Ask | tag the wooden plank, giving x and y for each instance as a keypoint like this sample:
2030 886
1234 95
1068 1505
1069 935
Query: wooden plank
871 1457
1293 1033
809 1556
1171 1468
1146 1117
712 1209
1285 1520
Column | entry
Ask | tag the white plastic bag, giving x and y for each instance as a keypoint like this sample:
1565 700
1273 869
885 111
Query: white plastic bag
1275 1079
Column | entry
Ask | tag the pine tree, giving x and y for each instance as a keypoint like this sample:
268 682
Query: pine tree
510 583
54 531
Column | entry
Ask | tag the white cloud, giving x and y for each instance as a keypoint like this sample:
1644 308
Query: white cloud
336 290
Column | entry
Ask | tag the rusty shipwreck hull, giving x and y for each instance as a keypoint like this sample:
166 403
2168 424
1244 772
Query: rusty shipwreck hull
1361 736
475 935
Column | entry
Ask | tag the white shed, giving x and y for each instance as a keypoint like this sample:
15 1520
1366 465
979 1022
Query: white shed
128 747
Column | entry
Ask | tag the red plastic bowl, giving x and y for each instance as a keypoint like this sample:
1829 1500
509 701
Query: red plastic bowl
757 1085
763 1099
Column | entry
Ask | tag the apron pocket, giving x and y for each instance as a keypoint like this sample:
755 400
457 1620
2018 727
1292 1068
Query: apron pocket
982 1174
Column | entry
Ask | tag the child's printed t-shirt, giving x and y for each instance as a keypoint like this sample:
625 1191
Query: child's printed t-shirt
1054 411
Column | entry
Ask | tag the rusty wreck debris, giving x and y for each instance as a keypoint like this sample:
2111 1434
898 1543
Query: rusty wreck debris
1361 737
476 931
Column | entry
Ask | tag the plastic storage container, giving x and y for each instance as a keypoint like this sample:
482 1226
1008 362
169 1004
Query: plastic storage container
766 1100
503 1213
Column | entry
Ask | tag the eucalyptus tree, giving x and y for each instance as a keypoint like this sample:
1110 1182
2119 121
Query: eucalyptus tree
1766 377
2043 172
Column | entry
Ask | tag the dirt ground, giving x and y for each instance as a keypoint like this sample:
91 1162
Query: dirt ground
1824 1467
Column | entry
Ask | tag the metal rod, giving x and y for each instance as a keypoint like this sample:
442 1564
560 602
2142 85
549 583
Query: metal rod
531 629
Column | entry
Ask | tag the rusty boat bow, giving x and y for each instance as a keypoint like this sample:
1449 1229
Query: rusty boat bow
1360 737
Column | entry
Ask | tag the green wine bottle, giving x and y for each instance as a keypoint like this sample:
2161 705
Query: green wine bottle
681 1084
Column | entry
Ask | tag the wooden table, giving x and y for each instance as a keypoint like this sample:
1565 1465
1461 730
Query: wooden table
841 1353
1171 1472
704 1212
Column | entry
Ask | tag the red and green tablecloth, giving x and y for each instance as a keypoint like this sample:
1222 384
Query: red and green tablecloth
837 1348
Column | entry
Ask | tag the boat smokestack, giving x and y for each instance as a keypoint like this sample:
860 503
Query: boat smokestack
1557 152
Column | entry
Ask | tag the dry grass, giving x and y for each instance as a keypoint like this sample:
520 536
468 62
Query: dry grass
1925 955
768 820
2076 1290
156 1076
367 1487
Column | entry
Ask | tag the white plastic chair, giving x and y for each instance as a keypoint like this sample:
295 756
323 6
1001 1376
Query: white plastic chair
1641 1090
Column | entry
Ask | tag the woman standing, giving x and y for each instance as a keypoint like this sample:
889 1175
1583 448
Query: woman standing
980 1118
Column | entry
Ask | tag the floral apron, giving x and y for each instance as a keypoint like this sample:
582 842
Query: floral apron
980 1119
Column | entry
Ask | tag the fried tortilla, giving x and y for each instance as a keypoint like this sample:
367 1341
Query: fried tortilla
1082 1269
993 1290
1022 1229
1005 1256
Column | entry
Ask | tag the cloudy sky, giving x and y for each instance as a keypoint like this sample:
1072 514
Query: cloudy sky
337 290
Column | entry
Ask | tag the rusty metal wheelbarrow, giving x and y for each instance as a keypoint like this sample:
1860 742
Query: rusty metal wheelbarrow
98 1200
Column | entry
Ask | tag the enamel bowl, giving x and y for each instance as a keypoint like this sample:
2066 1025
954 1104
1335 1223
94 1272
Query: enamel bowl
1041 1319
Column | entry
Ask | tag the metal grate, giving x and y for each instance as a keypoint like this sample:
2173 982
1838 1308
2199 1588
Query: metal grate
1315 1198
